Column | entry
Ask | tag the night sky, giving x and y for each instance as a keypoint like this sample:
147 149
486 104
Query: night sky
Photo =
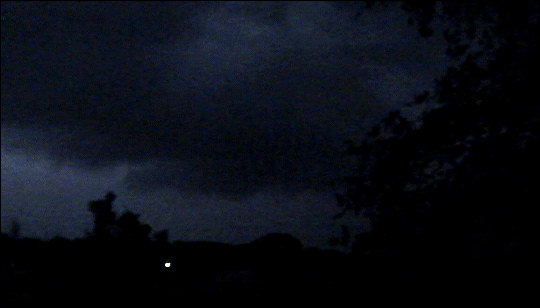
218 121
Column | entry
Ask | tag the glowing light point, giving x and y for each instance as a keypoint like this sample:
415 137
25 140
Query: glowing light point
167 264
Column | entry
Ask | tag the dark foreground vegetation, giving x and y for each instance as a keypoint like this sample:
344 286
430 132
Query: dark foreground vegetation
120 263
274 269
63 271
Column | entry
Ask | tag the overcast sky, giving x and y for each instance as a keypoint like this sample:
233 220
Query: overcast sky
218 121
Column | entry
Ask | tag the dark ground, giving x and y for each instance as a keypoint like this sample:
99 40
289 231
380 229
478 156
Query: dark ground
274 271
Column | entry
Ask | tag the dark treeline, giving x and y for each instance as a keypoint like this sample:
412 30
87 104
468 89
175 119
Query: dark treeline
453 193
119 262
60 271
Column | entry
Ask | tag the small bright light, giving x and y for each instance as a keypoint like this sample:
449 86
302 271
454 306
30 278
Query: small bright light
167 264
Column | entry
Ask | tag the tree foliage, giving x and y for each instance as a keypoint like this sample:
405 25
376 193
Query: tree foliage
126 228
460 179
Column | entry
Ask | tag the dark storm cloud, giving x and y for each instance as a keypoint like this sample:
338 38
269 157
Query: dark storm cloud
214 98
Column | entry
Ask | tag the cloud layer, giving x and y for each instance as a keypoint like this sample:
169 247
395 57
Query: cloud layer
222 98
219 121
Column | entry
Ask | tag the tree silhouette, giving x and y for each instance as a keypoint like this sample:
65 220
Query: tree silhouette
104 217
15 229
126 228
461 179
451 195
131 229
161 236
